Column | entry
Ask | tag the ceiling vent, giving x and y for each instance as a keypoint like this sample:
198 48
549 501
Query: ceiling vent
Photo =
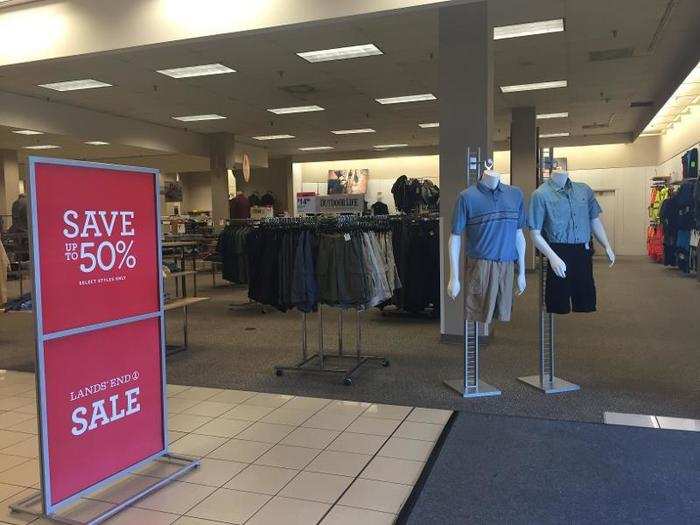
642 104
611 54
595 125
299 89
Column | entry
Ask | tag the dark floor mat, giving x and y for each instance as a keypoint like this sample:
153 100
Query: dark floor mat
501 469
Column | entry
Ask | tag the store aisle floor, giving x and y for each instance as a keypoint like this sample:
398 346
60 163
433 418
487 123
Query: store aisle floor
266 458
637 354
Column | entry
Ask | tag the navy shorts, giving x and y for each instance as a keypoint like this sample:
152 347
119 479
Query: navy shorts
576 291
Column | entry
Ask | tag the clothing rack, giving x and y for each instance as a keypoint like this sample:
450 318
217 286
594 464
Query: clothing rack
546 381
321 362
470 385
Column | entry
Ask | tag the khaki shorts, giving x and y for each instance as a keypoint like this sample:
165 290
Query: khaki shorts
488 290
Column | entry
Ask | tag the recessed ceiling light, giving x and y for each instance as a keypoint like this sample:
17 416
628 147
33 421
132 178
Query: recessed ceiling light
316 148
341 53
196 71
197 118
552 135
530 28
534 86
42 146
651 133
273 137
543 116
408 98
295 109
388 146
96 143
27 132
429 125
352 131
74 85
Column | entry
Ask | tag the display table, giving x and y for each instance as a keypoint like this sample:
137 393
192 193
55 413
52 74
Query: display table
181 281
184 304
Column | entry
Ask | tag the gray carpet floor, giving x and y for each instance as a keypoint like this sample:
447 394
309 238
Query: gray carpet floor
498 469
639 353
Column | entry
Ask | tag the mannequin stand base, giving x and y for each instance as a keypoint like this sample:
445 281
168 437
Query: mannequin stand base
557 386
482 390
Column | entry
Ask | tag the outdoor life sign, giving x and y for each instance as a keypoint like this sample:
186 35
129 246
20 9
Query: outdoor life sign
99 322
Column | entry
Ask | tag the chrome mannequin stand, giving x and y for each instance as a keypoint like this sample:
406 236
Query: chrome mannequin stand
470 385
546 381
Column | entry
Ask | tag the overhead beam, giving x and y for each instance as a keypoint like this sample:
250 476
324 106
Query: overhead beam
19 111
50 29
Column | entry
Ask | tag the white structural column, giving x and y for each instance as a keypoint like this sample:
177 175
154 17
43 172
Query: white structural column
523 160
466 120
9 183
222 159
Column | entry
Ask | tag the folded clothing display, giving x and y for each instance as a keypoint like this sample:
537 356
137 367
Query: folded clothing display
23 302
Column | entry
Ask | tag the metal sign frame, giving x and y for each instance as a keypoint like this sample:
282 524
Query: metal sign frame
28 505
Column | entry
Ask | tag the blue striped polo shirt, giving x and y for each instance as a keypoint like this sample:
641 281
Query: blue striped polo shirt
491 219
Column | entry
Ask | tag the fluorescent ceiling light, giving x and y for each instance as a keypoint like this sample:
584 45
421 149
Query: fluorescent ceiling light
543 116
74 85
677 105
316 148
534 86
196 71
408 98
96 143
273 137
197 118
651 133
352 131
42 146
388 146
27 132
530 28
295 109
552 135
341 53
429 125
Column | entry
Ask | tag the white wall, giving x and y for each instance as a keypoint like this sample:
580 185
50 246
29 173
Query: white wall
630 183
631 186
382 174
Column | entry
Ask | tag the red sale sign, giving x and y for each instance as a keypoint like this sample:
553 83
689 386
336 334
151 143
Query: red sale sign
97 239
99 323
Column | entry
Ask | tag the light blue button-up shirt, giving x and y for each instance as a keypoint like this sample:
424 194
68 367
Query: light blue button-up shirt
563 215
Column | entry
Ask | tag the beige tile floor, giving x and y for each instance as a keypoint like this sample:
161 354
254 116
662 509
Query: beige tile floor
266 459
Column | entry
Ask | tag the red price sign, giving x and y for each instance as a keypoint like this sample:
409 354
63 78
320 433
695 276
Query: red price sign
98 244
99 323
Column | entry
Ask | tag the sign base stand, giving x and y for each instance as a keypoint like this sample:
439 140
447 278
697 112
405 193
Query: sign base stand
33 504
482 389
556 386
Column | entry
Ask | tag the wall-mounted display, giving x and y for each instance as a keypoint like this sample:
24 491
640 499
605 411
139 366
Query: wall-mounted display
347 181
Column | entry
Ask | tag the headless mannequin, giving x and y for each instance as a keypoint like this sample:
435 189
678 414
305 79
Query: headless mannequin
491 180
558 266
